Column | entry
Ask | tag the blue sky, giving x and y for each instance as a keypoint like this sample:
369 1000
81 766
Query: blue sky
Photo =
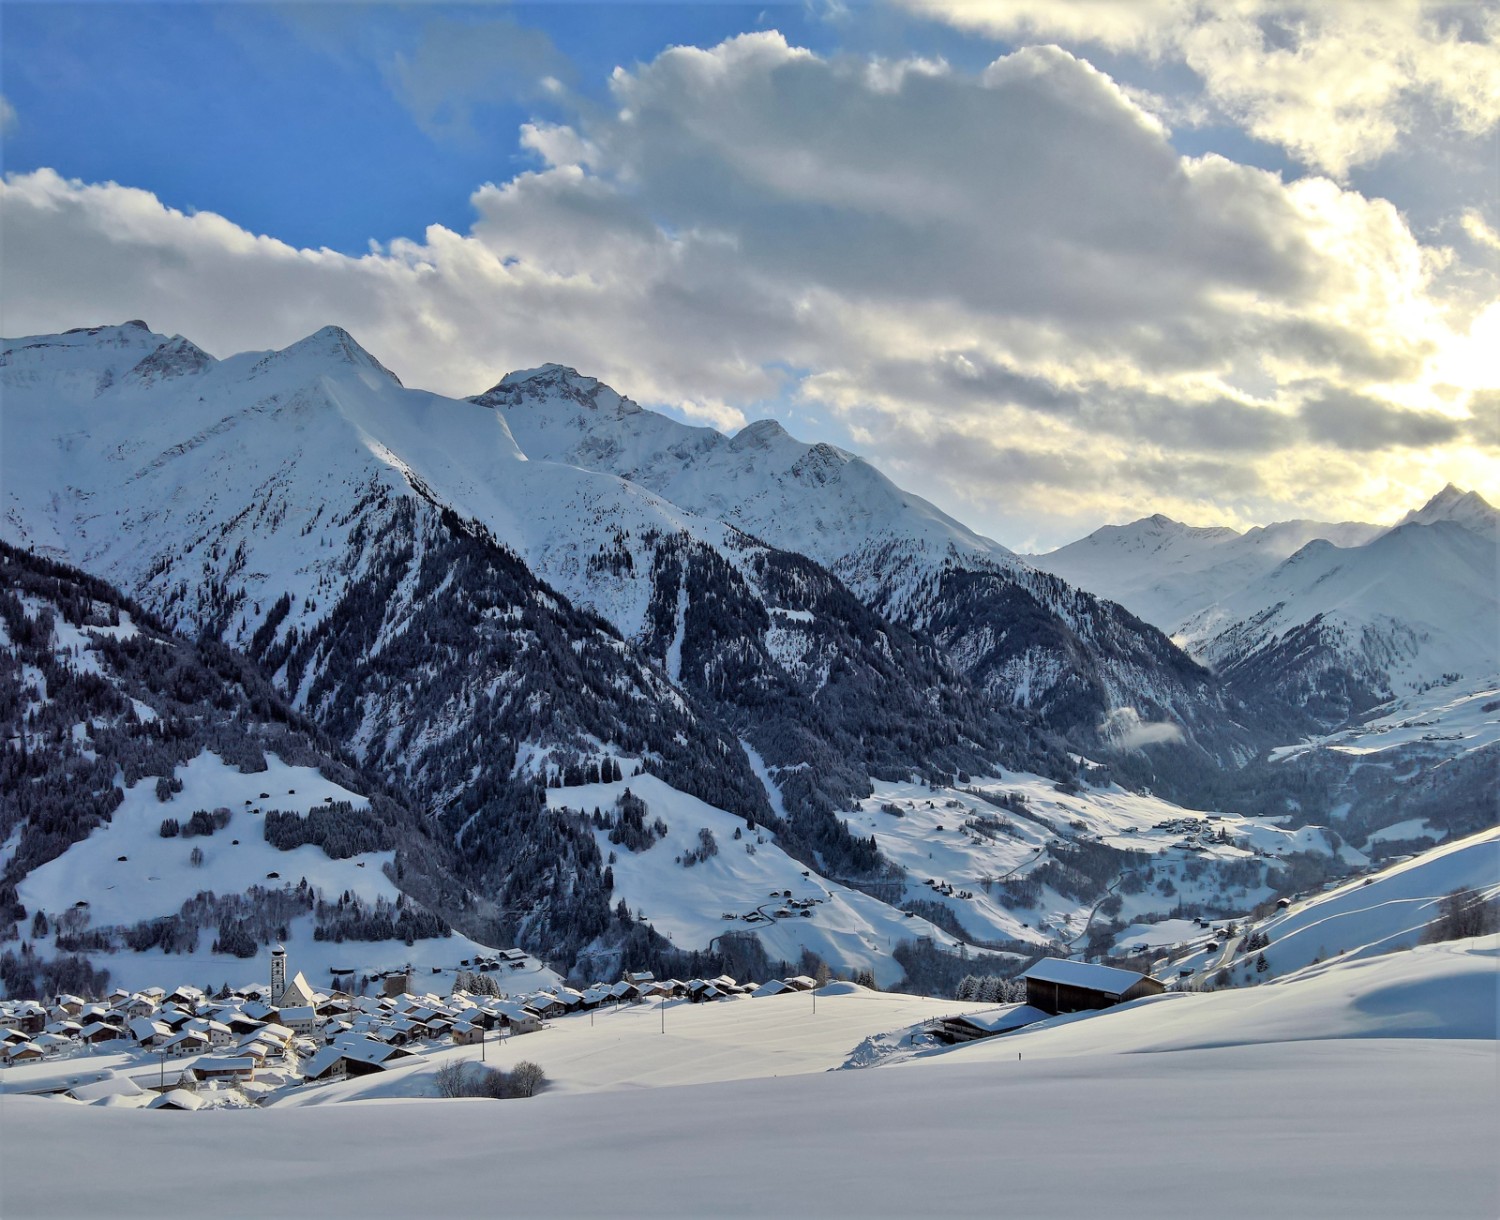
1049 264
289 119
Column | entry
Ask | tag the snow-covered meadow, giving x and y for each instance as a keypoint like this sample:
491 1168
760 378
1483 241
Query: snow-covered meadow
1356 1089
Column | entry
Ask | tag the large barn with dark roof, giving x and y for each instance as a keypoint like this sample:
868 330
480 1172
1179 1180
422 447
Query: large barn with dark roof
1056 986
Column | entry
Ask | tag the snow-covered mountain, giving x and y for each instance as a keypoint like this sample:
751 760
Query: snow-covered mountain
1166 571
1329 617
1466 508
466 618
1022 636
157 795
1340 629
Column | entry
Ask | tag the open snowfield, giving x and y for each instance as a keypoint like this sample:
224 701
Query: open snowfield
625 1047
1317 1096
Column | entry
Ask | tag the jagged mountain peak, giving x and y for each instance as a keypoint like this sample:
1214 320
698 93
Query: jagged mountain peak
1466 508
759 434
557 382
328 344
177 357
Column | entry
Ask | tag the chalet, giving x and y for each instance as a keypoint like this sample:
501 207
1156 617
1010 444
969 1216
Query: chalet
516 1018
188 1042
110 1086
801 982
625 992
149 1033
72 1005
96 1032
21 1052
28 1018
466 1034
638 977
352 1055
239 1068
570 999
774 987
975 1025
176 1099
545 1007
1056 985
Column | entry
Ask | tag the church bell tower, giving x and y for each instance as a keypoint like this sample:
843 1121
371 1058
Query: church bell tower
278 973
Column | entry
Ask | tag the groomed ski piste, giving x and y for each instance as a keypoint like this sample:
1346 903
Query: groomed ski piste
1362 1088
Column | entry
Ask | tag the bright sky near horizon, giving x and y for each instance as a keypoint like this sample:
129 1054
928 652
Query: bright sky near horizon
1050 265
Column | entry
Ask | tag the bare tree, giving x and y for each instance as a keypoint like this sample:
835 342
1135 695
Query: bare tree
527 1079
451 1079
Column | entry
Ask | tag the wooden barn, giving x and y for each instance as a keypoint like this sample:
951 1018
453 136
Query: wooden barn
1055 986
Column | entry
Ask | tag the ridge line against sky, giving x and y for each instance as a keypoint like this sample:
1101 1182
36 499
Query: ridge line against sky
1047 265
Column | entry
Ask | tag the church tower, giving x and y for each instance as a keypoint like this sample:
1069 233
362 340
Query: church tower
278 973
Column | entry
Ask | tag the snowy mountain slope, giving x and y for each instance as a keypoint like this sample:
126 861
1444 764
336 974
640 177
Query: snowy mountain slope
1444 991
1380 913
1020 635
1166 571
748 875
354 535
140 778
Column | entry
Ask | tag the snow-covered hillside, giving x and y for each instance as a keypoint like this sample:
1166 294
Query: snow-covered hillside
750 879
1377 914
1264 1101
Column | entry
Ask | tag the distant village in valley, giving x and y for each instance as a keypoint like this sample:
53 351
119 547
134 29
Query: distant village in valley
188 1049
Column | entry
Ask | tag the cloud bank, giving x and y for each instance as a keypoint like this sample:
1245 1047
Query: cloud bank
1006 287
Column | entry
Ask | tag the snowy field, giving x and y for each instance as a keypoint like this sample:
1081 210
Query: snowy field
1318 1096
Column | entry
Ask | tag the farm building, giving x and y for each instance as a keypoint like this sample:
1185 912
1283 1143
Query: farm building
1055 985
970 1026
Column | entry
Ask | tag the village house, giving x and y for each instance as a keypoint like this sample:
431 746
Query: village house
239 1069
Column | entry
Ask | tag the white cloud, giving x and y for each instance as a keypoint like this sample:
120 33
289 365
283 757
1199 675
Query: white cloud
8 119
1336 84
1008 288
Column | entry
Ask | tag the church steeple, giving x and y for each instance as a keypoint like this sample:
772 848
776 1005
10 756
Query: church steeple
278 973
